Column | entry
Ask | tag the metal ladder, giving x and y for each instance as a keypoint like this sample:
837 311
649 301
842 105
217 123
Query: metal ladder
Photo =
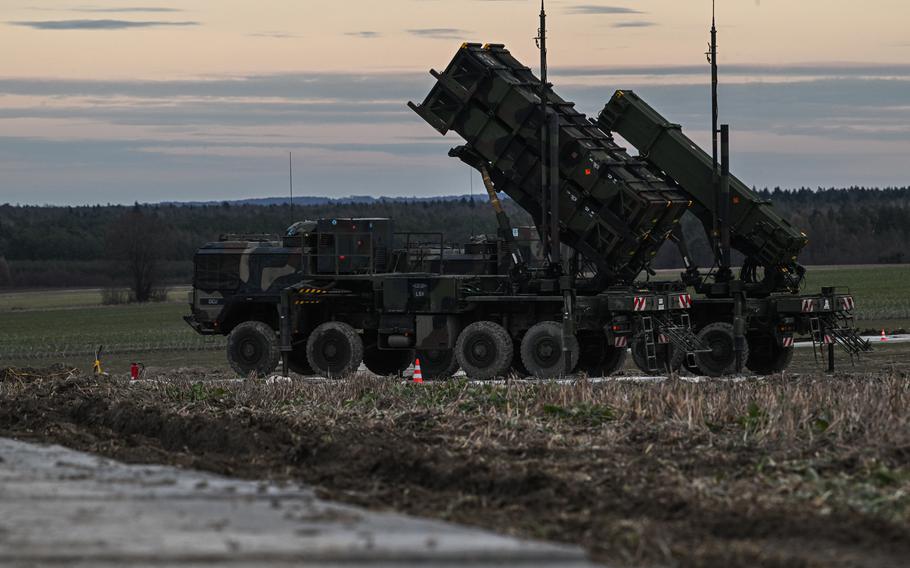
650 346
815 329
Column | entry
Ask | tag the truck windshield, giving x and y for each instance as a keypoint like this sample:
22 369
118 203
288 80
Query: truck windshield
217 272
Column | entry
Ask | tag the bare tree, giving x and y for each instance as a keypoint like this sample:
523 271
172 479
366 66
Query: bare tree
138 241
6 277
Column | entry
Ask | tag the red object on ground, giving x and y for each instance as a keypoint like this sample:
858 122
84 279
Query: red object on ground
884 337
418 376
134 371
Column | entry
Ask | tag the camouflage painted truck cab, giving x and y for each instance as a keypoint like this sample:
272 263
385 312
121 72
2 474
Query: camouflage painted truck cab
333 293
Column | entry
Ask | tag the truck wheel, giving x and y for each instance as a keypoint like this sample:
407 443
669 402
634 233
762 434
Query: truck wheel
597 359
386 362
334 349
252 347
640 355
721 360
484 350
542 354
297 361
766 355
437 363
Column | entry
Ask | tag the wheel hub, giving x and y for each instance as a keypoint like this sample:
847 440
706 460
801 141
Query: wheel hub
722 352
248 350
481 352
547 351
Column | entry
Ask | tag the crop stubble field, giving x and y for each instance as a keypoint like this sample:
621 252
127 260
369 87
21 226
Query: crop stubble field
784 471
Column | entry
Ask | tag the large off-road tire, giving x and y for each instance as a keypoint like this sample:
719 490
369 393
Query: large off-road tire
252 348
297 361
721 360
387 362
640 355
334 349
484 350
597 359
766 355
542 354
437 363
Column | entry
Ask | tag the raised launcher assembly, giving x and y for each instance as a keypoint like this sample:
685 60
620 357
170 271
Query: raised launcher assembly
613 209
769 308
757 231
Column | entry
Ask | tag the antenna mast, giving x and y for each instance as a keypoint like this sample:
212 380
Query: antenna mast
712 58
544 138
291 182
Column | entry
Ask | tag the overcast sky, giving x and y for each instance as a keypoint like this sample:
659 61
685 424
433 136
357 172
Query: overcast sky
155 100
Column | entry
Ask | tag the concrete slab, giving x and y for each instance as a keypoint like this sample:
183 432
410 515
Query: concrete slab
62 507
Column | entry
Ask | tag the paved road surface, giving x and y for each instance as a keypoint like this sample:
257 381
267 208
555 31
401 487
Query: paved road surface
61 507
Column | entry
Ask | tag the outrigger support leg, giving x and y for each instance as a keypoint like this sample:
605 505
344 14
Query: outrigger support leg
568 318
284 329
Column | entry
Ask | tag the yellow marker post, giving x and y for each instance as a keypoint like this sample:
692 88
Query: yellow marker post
96 366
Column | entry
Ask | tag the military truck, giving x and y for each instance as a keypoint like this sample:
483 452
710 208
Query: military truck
333 293
762 304
753 319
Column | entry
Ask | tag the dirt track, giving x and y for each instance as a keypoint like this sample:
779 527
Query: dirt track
783 472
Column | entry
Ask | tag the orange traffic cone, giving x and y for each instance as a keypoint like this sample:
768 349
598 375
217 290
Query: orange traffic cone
418 376
884 337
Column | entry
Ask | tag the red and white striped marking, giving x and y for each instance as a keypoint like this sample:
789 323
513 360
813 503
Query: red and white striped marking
621 341
639 303
663 339
418 375
848 303
685 301
787 341
808 305
828 339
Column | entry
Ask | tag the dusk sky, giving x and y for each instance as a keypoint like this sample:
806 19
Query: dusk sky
158 100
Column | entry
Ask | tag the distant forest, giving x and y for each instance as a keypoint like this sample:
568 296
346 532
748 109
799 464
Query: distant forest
85 246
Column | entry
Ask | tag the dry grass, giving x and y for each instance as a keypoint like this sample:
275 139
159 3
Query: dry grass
783 471
845 409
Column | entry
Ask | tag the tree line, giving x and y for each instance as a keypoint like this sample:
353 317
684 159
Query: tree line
46 246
